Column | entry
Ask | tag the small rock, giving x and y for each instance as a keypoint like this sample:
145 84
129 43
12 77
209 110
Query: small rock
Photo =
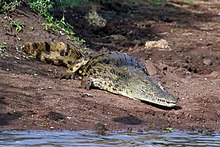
17 58
150 67
100 128
86 95
95 20
161 44
162 67
50 87
56 116
68 117
207 62
214 74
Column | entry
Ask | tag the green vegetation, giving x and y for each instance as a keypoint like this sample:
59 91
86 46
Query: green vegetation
58 26
10 5
73 3
3 47
16 24
156 2
188 1
168 130
44 7
32 57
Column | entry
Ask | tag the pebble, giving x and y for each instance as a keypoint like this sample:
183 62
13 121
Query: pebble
214 74
86 95
17 58
161 44
150 67
207 62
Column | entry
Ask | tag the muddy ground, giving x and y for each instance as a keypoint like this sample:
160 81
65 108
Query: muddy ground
32 97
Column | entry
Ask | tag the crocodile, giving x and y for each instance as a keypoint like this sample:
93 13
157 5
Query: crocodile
113 71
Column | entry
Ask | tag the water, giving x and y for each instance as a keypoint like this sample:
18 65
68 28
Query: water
89 138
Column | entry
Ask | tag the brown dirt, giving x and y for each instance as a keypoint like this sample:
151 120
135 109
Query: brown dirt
31 97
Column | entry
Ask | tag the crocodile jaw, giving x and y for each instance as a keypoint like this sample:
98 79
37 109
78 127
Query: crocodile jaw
153 91
166 100
146 90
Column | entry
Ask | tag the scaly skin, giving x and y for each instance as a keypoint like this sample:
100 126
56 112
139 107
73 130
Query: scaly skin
115 72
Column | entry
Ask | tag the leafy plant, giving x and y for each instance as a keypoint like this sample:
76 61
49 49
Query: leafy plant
77 40
10 5
188 1
19 26
32 57
72 3
3 47
58 26
44 8
156 2
168 130
41 6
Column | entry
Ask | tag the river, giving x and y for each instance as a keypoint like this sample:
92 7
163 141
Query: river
115 138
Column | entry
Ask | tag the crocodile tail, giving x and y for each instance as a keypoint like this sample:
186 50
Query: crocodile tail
57 53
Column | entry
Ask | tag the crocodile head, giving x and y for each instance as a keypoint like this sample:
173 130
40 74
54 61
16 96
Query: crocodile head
152 91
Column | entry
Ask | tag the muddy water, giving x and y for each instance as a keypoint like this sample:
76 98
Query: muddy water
88 138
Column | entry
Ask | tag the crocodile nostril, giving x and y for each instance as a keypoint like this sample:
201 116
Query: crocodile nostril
178 100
